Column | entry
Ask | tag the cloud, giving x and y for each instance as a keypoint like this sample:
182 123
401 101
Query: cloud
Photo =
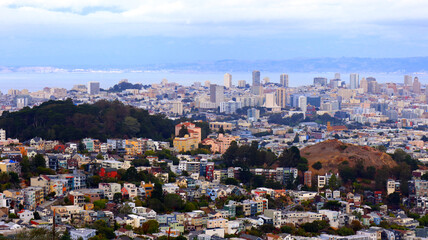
228 18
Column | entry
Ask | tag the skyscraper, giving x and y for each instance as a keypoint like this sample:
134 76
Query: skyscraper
177 108
283 80
256 78
320 80
281 97
354 81
408 81
228 80
364 85
337 76
416 86
93 88
242 83
216 94
302 103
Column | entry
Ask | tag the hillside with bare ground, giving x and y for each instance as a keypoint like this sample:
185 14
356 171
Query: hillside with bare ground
332 153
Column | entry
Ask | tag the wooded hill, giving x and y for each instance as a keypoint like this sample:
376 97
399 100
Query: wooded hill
62 120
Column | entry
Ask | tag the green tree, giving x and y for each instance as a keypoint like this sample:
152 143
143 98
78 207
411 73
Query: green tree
173 202
100 204
151 226
345 231
183 131
131 125
117 197
39 161
66 235
317 165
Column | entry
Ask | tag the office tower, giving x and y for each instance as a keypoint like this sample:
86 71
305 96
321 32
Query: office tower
216 94
257 90
2 135
177 108
281 97
270 100
164 82
283 80
228 80
416 86
354 81
22 101
256 78
197 84
207 83
253 114
335 83
408 81
372 86
93 88
337 76
80 88
266 80
242 83
321 81
314 101
364 85
302 103
230 107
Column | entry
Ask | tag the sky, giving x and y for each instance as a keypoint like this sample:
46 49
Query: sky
138 32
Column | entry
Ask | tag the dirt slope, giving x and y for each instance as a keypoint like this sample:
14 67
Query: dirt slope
332 153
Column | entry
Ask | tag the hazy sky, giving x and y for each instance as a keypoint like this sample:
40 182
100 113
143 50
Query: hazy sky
133 32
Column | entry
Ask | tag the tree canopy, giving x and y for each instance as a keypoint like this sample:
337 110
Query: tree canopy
65 121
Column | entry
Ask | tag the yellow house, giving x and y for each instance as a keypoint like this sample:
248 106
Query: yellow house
133 146
185 143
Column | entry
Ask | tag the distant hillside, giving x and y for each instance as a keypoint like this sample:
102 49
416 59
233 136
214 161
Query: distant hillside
124 86
332 153
65 121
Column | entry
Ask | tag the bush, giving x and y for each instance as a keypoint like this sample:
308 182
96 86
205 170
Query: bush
317 165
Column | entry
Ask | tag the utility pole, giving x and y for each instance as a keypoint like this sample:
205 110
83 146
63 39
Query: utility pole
53 226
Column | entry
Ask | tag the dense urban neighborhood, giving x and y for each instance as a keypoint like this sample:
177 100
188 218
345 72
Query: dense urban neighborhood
339 159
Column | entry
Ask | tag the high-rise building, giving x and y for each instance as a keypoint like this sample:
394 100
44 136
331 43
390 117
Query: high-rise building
256 78
416 86
335 83
372 86
354 81
93 88
242 83
364 85
266 80
230 107
270 100
216 94
302 103
408 81
177 108
283 80
281 97
2 135
314 101
307 178
321 81
253 114
207 83
228 80
337 76
22 101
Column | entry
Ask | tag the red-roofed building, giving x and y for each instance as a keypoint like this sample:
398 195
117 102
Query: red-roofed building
194 132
